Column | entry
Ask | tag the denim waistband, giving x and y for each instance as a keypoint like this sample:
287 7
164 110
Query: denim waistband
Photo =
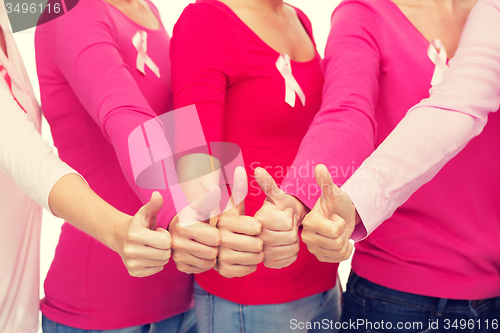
361 287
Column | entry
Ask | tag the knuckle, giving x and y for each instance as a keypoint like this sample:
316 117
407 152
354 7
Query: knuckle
132 236
259 245
177 256
213 252
165 255
129 251
260 257
294 237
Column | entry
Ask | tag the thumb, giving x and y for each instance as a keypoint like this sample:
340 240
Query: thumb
203 207
274 194
329 191
150 210
239 191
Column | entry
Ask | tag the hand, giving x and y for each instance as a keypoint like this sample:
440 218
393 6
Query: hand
144 251
195 247
279 220
240 250
330 224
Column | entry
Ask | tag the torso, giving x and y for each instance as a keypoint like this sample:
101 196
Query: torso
281 30
438 19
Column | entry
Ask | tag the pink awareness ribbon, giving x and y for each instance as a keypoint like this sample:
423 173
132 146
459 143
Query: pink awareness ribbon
292 87
437 53
140 41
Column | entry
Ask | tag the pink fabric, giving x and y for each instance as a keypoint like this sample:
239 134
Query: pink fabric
444 240
94 96
439 127
224 68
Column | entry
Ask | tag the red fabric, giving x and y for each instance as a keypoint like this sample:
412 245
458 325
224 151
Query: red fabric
7 79
224 68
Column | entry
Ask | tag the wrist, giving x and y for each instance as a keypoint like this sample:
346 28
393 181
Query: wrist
115 239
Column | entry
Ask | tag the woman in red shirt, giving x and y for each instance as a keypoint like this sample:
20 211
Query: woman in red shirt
253 72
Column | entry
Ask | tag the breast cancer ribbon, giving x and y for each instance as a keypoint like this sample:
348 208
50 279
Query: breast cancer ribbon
437 53
140 41
292 87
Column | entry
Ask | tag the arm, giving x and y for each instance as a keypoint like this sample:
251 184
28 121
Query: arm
31 162
438 128
347 118
204 55
83 48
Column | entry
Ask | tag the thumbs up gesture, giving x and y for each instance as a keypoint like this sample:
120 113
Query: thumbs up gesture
279 217
195 247
240 250
143 249
330 224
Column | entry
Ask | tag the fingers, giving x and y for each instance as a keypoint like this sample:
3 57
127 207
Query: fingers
191 264
280 238
231 257
281 256
142 260
246 225
159 239
325 255
230 271
240 250
327 239
199 232
239 242
274 194
143 272
280 247
274 219
143 251
134 252
195 247
317 223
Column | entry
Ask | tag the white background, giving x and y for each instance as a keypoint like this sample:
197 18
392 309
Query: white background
318 11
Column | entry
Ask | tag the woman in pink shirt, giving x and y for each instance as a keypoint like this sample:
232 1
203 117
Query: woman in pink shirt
252 70
434 263
104 70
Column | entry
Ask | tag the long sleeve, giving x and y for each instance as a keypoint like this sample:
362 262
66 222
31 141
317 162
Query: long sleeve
86 52
342 133
24 155
202 64
438 128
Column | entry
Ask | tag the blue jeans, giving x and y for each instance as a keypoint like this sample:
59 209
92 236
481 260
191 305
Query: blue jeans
217 315
182 323
380 309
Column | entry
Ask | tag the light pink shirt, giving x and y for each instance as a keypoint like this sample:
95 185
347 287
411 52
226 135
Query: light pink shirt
438 128
444 241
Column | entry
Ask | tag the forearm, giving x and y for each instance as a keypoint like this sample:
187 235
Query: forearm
74 201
